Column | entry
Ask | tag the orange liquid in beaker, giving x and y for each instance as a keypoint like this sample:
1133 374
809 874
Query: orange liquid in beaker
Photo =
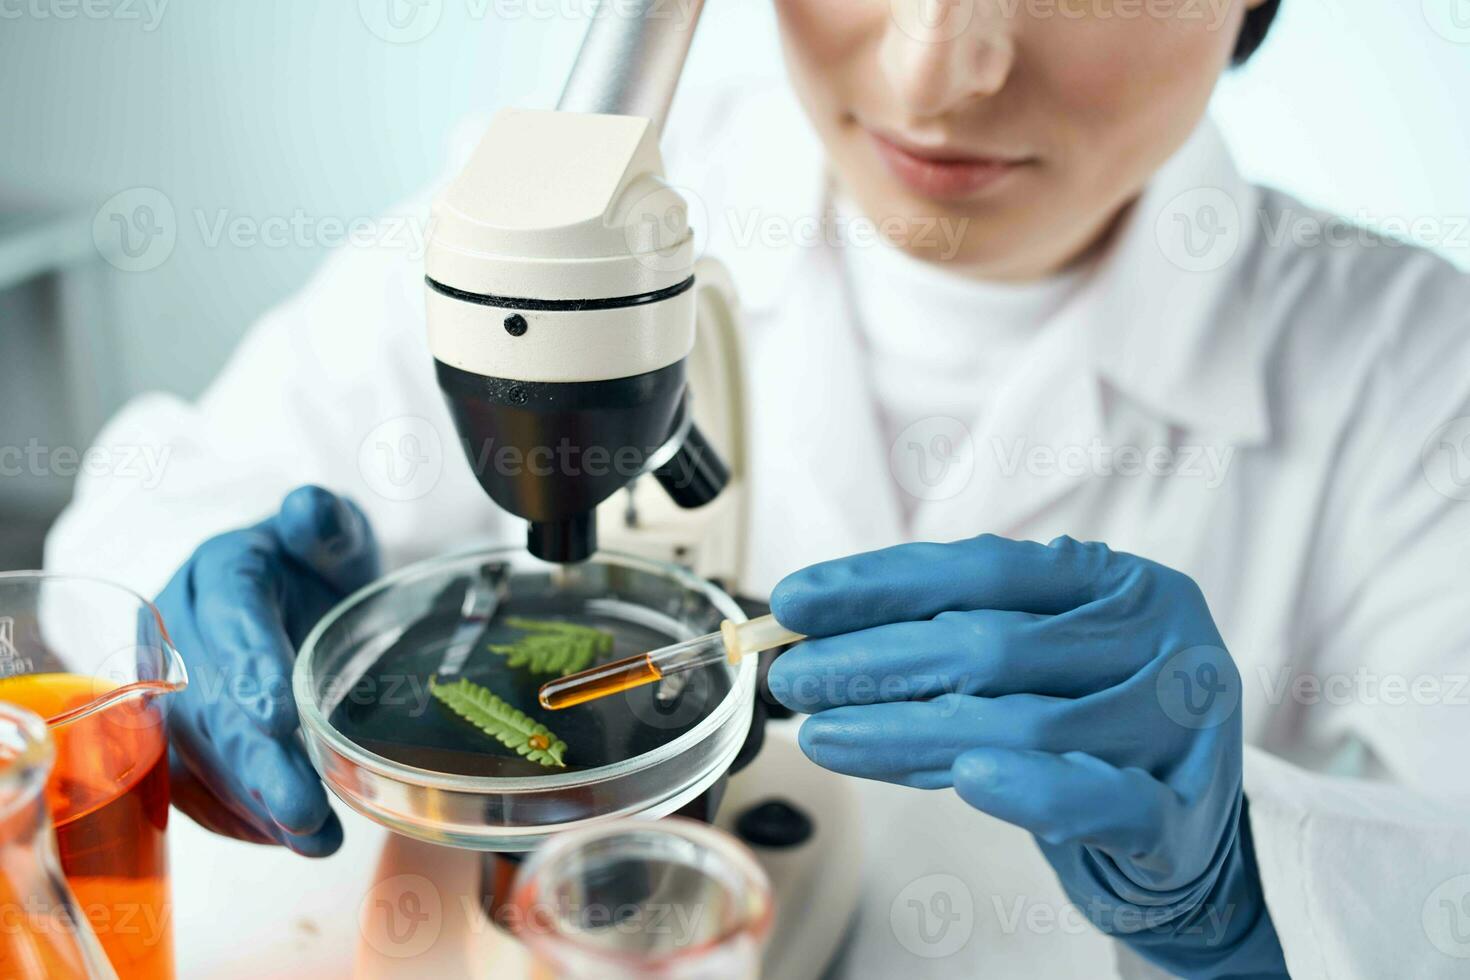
108 796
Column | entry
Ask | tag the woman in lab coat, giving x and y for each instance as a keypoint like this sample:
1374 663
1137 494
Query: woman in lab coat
1080 321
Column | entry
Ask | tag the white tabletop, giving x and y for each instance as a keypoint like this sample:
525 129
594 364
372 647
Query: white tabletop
246 911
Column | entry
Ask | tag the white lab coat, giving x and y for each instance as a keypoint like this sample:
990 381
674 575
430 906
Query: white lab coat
1286 402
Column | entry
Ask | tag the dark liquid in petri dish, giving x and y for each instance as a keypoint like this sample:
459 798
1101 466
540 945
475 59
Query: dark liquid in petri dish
389 710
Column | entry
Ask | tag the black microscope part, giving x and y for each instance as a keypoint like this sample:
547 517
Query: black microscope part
551 452
774 823
572 305
696 474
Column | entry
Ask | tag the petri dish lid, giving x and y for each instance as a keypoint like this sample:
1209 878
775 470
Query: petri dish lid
387 749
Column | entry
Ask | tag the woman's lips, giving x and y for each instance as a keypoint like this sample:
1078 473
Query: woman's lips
940 174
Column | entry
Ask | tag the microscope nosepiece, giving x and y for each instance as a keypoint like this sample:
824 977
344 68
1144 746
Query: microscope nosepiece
571 539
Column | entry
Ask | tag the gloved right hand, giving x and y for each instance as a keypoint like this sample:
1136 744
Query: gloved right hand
237 610
1081 693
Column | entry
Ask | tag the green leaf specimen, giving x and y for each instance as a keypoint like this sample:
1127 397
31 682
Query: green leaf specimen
499 720
553 647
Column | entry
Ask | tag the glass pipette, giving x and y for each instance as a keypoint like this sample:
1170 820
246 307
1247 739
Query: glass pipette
733 641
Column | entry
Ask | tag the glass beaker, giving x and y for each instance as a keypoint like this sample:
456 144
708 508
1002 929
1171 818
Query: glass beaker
93 659
670 899
44 934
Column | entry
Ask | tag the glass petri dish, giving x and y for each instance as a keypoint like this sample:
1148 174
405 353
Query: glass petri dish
675 900
388 749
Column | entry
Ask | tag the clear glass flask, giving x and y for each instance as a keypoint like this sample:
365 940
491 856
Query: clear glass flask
94 660
664 900
43 934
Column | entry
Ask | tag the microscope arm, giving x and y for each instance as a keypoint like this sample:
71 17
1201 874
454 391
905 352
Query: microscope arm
631 59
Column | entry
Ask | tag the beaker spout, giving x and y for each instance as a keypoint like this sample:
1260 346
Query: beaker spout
116 695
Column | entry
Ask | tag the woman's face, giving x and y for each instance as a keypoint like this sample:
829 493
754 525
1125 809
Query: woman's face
1021 128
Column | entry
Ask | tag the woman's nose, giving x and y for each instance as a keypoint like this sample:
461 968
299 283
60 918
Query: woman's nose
940 54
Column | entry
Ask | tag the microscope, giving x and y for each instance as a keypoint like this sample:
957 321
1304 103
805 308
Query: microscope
562 296
569 320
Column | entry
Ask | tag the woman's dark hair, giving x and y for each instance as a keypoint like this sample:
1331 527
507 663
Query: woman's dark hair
1257 23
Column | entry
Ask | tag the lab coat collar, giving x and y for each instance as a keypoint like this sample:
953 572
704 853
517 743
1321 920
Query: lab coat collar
1169 304
820 480
1164 318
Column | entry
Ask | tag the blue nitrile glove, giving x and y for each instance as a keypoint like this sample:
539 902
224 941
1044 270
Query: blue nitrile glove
236 612
1080 693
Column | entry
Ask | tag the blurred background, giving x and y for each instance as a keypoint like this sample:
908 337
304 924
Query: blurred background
173 168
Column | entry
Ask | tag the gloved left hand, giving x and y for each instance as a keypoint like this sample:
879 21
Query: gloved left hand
237 611
1080 693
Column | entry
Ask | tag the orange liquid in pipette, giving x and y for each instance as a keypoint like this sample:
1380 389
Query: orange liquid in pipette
606 680
108 796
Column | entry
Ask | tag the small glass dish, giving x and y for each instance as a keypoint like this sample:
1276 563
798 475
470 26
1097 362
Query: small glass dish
675 900
391 752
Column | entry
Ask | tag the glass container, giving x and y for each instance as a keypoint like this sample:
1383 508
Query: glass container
643 900
45 934
94 660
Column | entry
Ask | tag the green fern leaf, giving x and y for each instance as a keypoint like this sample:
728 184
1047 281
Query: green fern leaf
512 728
551 647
